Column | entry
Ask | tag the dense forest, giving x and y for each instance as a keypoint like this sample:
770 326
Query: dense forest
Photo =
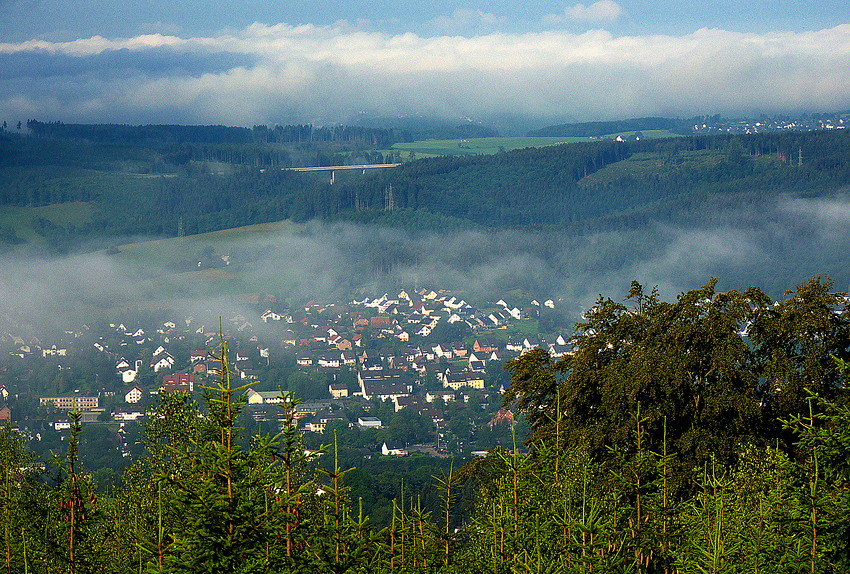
708 434
186 184
598 129
163 135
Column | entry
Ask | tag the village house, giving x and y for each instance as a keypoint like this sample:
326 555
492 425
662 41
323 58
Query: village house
393 448
456 379
338 390
289 338
403 402
263 397
80 403
329 360
485 345
127 372
304 359
348 358
161 359
54 352
127 415
322 420
270 315
134 395
178 382
369 423
445 394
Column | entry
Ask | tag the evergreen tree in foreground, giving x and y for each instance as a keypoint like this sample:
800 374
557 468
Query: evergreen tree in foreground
655 448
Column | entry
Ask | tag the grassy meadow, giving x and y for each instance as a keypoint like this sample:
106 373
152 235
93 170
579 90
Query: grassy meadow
488 146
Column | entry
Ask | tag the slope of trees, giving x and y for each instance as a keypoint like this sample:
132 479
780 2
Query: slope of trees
597 129
572 187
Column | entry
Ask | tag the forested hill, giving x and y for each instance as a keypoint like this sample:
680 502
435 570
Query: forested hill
606 183
601 184
598 129
163 135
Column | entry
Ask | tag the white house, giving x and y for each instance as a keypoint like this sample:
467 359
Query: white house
128 375
270 315
127 416
446 395
369 422
162 360
134 395
393 449
329 360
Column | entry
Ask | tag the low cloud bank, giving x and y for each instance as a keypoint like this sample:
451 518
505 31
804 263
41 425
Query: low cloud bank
282 73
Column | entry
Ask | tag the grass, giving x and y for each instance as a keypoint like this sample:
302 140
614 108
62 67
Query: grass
21 219
163 266
489 146
159 254
474 146
649 163
522 328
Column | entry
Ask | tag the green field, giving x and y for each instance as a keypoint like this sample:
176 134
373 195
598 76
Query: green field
22 219
160 254
486 146
164 268
473 146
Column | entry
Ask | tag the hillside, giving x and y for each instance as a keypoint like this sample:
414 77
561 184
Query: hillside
140 190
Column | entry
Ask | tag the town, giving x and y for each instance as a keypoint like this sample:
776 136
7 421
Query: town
417 370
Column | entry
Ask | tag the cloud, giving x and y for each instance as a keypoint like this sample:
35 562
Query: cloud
601 11
115 64
283 73
464 19
825 214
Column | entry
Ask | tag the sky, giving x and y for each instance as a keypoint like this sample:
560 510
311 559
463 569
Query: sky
259 62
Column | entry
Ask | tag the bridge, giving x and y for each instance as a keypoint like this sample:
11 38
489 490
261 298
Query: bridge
334 168
341 167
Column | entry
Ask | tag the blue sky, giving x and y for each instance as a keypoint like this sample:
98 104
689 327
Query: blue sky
278 62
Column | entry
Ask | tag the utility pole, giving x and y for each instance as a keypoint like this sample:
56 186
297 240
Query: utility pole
389 200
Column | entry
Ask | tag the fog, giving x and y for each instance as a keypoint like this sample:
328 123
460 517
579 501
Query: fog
775 247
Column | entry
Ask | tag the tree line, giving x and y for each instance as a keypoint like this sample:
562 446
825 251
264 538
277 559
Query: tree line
158 135
599 129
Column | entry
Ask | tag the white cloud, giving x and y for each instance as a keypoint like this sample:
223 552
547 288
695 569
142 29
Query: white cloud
601 11
334 71
464 19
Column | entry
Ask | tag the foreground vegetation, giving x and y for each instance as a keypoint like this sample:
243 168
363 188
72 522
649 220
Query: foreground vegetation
711 434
